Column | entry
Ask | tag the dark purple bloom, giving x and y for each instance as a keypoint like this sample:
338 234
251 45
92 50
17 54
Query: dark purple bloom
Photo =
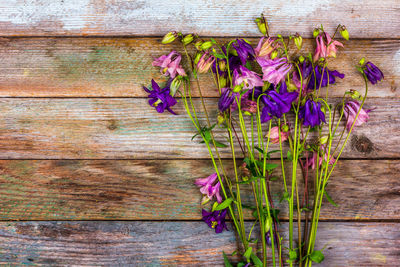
160 98
373 73
311 113
276 104
316 82
215 219
244 50
305 70
226 99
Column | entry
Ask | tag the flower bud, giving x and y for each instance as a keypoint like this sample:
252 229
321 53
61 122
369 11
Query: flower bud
222 82
315 33
324 139
274 54
301 59
285 128
220 119
237 88
262 25
206 45
187 39
198 44
268 224
247 113
197 58
222 65
298 40
344 33
175 85
169 38
355 95
362 61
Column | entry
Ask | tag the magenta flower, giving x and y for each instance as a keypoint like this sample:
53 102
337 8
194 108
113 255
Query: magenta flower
325 46
215 219
170 64
248 105
264 48
248 78
274 135
208 188
312 161
205 63
275 70
350 111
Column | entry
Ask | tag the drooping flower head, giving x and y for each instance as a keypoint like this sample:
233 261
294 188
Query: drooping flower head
264 48
276 104
322 79
226 99
205 63
249 79
274 70
160 98
305 70
215 219
170 64
311 113
326 47
209 187
373 73
274 135
244 50
350 111
312 161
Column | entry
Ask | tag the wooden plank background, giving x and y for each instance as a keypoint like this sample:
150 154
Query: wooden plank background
99 178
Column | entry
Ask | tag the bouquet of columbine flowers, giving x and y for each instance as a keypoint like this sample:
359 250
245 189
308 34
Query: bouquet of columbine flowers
267 95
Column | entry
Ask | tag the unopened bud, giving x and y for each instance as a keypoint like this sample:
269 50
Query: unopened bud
268 224
355 95
187 39
197 58
222 65
222 82
324 139
362 61
175 85
315 33
206 45
274 54
301 59
298 40
220 119
247 113
344 33
285 128
169 38
198 44
237 88
262 25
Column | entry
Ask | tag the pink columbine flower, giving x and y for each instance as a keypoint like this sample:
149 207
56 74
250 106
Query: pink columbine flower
208 189
248 78
170 64
275 70
350 111
264 48
205 63
249 106
325 46
274 135
312 161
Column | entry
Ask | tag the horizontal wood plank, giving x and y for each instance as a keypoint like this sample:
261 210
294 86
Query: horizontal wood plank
223 18
177 244
128 128
85 67
164 190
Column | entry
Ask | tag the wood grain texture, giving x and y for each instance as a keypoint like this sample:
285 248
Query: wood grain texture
177 244
164 190
371 19
84 67
130 129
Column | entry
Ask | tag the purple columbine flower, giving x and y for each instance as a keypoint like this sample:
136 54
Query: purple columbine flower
248 78
160 98
276 104
305 70
316 82
274 70
226 99
208 188
244 50
170 64
373 73
350 111
311 113
215 219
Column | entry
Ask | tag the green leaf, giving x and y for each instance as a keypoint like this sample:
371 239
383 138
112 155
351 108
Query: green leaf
284 197
256 260
330 199
220 56
271 166
241 264
224 204
293 255
226 261
273 178
219 144
317 256
289 155
247 254
259 149
254 178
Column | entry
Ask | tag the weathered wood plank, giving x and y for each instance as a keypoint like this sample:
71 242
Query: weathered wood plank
130 129
121 66
162 190
224 18
177 244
